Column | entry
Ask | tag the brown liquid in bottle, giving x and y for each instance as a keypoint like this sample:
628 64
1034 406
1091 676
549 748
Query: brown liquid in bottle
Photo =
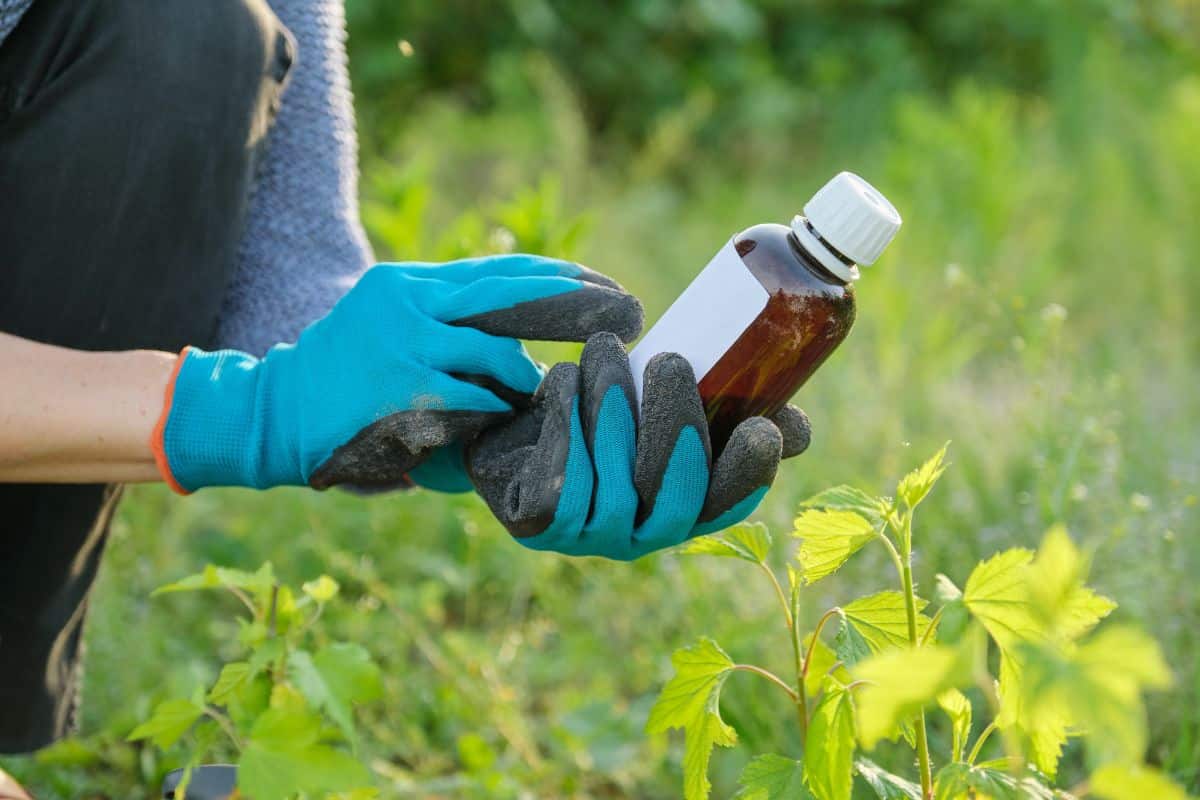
809 313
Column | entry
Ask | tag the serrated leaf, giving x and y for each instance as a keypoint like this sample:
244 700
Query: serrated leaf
849 644
828 539
772 777
323 589
1044 740
886 785
1098 686
214 577
882 619
829 744
691 701
335 679
848 498
1115 782
958 708
997 595
915 486
283 757
170 720
1055 578
965 782
749 541
900 683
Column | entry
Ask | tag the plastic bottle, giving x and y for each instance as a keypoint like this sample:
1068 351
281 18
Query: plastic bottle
773 304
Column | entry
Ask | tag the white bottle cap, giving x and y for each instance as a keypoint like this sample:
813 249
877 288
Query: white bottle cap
852 217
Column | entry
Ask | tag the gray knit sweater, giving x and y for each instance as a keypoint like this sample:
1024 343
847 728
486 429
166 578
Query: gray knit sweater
303 244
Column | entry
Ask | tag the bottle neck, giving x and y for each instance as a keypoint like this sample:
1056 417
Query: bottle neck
824 256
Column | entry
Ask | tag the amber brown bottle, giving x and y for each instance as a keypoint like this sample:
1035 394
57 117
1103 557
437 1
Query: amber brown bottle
773 304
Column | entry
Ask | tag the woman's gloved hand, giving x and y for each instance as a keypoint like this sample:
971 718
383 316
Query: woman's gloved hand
578 473
415 358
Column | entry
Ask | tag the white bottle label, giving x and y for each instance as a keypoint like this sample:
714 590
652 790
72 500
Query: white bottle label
704 321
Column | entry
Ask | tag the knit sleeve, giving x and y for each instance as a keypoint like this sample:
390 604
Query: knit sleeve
303 244
10 15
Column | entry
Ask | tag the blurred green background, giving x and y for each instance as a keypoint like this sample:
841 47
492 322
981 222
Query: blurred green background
1038 309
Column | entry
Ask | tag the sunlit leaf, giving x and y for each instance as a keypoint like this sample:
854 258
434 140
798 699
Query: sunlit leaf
959 781
900 683
1098 685
829 744
997 595
848 498
772 777
1055 584
323 589
1115 782
749 541
882 619
915 486
820 660
886 785
958 708
691 701
828 539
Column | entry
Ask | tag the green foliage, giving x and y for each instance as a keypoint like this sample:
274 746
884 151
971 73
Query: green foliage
772 777
275 704
691 701
828 539
1056 678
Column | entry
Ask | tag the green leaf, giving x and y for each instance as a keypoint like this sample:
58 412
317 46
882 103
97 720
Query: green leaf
233 676
772 777
336 678
914 486
849 644
882 620
170 720
749 541
323 589
958 708
1055 578
1134 783
828 539
900 683
848 498
1098 686
886 785
213 577
829 745
965 782
1044 740
997 595
284 757
691 701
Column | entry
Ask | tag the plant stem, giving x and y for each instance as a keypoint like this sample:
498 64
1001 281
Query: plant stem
983 737
801 659
771 676
910 606
816 632
787 612
226 725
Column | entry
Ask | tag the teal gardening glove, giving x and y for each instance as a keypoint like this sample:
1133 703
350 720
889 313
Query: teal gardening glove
414 360
581 473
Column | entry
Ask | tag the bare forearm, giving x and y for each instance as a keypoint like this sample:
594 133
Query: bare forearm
70 416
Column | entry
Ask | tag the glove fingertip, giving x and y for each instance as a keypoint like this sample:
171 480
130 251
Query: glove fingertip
794 424
748 464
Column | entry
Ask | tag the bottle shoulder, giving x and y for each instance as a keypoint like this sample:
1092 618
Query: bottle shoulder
771 253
